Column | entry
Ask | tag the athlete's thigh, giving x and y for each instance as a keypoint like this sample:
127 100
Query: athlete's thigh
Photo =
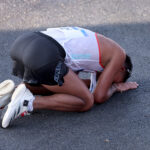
72 85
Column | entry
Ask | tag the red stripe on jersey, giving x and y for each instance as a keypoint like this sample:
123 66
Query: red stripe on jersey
99 52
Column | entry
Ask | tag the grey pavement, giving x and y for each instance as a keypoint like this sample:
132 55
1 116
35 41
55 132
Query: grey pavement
123 122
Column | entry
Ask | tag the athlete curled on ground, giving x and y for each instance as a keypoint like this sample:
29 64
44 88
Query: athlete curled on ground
47 62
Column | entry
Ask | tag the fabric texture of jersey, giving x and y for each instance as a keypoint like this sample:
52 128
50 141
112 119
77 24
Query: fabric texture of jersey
81 46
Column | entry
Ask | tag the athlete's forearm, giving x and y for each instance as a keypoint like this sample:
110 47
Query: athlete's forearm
111 91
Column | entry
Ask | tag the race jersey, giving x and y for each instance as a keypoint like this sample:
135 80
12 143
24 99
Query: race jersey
81 47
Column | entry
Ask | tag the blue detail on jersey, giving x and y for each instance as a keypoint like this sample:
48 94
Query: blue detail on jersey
84 33
66 28
75 28
81 56
82 30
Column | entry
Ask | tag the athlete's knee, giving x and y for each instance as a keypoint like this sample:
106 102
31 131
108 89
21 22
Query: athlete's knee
88 103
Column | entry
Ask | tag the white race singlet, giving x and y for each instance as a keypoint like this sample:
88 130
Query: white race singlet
81 47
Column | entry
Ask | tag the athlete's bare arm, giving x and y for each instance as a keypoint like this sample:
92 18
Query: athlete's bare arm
106 79
113 57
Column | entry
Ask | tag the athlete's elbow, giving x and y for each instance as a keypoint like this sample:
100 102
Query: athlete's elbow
99 98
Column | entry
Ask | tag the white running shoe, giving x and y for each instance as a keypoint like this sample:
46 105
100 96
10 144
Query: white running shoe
6 90
18 105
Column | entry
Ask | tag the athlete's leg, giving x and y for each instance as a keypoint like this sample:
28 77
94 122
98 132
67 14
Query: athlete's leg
41 90
38 90
73 95
87 82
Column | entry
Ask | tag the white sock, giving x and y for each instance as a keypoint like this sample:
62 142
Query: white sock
30 104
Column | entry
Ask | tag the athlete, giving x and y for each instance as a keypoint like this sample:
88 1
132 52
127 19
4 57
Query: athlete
48 63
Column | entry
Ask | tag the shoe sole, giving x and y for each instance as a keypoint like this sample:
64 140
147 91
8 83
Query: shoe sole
6 89
16 95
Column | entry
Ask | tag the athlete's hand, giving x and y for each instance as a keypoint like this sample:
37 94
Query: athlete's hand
121 87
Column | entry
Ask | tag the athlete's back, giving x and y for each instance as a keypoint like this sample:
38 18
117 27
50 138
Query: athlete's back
82 49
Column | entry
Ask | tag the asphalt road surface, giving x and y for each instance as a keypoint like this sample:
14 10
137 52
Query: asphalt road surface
123 122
